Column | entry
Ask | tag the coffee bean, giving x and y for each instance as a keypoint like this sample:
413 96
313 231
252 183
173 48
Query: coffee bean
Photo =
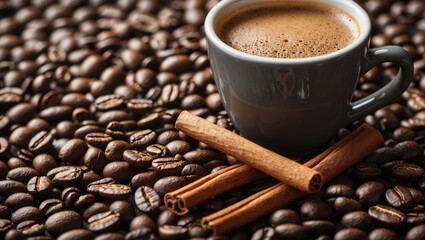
350 233
51 206
98 139
25 214
95 159
93 209
370 193
124 208
168 184
39 186
76 234
345 205
339 190
56 113
110 236
109 102
43 163
84 201
291 231
283 216
5 226
407 172
115 149
120 171
19 200
142 139
22 174
158 151
193 172
399 197
413 219
66 176
30 228
73 150
315 210
109 190
63 221
319 227
21 136
357 219
200 156
147 200
147 178
21 113
168 166
387 216
142 221
178 147
9 187
382 233
136 159
173 232
263 233
104 222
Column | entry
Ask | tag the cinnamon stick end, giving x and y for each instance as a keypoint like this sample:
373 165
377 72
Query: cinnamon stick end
315 183
175 204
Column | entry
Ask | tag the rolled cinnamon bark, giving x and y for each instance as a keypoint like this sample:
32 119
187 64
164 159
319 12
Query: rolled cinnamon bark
271 163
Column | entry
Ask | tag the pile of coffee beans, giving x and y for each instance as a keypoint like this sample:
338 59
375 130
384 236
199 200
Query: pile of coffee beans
90 91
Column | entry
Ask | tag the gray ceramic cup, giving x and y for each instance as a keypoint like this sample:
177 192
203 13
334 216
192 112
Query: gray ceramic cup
296 106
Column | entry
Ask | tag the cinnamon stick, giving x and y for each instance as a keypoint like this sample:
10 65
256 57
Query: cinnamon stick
330 163
181 200
271 163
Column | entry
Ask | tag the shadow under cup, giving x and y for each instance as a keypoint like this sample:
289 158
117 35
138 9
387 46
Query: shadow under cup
296 106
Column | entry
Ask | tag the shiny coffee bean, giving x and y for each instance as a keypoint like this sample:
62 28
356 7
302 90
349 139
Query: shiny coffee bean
387 216
146 199
104 222
63 221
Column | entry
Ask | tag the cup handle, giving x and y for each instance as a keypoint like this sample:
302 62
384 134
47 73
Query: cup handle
389 92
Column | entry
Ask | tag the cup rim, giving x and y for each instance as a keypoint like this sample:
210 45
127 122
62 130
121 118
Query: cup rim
349 6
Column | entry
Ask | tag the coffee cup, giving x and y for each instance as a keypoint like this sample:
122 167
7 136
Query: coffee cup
293 98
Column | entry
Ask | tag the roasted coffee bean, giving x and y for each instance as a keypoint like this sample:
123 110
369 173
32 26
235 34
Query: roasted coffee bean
120 171
144 233
5 226
30 228
70 195
344 205
263 233
200 156
22 174
56 113
193 172
383 233
76 234
81 132
168 184
41 142
95 159
407 172
387 216
109 102
350 233
168 166
9 187
115 149
84 201
339 190
73 150
66 176
21 136
157 150
25 214
399 197
104 222
21 113
147 178
319 227
173 232
167 217
315 210
63 221
407 150
142 221
136 159
141 139
124 208
291 231
370 193
43 163
19 200
146 199
357 219
39 186
413 219
110 236
110 191
98 139
178 147
283 216
51 206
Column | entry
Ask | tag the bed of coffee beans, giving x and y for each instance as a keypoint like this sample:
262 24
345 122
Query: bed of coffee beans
90 91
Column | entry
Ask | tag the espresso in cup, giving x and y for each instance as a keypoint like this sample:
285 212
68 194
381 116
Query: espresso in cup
288 29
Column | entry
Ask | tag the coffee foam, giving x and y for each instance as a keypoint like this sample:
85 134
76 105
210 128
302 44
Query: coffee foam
288 30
